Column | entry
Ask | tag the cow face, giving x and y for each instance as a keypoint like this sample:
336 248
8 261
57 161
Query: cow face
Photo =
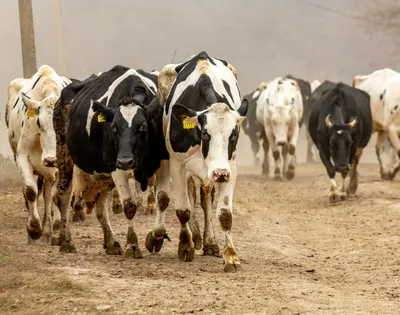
220 128
340 143
43 113
128 134
280 117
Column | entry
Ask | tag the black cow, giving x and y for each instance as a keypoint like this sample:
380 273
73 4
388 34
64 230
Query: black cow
105 127
341 125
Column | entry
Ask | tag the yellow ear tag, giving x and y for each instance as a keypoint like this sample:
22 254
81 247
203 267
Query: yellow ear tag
307 97
30 113
188 125
101 118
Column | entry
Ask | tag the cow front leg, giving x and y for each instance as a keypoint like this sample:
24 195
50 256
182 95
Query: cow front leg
291 153
353 184
121 180
116 202
155 238
278 161
34 226
334 194
193 222
265 166
255 146
151 198
210 246
380 141
47 218
111 246
224 215
186 247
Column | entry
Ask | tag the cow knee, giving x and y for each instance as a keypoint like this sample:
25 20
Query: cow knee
275 154
30 193
225 218
129 208
291 149
183 216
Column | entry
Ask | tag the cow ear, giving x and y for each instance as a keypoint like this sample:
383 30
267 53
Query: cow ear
107 113
243 108
187 114
31 105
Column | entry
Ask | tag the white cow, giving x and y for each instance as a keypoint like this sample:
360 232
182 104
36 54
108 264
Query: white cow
279 110
29 118
383 86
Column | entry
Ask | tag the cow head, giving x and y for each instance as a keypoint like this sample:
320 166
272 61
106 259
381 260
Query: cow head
220 128
340 142
43 113
128 133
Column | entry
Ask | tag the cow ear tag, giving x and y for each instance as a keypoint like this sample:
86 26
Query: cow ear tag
101 118
187 124
30 113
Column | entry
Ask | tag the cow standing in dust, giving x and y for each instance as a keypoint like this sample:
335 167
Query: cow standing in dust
29 118
280 112
202 116
340 126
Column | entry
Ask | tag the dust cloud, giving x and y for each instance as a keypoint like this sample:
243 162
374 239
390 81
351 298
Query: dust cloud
261 38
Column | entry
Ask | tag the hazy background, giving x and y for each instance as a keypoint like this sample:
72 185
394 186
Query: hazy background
311 39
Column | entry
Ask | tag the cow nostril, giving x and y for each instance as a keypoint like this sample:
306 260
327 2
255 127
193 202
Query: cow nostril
125 163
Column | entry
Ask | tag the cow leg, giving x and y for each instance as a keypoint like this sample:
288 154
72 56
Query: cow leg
385 174
311 157
47 219
79 185
186 249
210 246
278 161
151 197
291 150
224 215
193 222
394 139
116 202
34 227
111 246
334 195
265 166
155 238
121 180
352 188
255 146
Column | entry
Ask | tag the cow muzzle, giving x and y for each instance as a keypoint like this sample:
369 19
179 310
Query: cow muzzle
50 161
221 175
125 163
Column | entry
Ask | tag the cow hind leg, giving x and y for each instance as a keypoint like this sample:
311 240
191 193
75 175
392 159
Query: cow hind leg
265 166
155 238
210 246
47 218
151 197
255 147
193 222
380 141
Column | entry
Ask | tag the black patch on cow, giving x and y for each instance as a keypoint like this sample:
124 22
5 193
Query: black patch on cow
227 88
38 123
22 124
16 102
205 136
233 139
382 95
37 80
13 134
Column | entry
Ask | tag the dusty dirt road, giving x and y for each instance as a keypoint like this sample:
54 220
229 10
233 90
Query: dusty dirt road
300 255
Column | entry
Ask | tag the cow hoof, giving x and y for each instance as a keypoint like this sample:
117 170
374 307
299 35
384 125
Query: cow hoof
151 208
211 250
55 241
231 268
265 172
113 248
46 238
334 198
56 225
290 174
153 244
278 177
186 254
67 247
198 241
133 251
34 230
117 208
78 216
386 176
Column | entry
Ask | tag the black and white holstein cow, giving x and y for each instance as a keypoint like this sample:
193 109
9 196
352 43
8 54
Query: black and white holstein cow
29 118
340 126
202 116
105 128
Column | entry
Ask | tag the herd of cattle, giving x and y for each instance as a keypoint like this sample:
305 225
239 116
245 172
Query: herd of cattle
78 143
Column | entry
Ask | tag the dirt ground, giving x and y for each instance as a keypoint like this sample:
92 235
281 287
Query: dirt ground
300 255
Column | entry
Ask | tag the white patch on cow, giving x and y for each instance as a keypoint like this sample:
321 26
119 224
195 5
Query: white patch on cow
339 132
314 84
255 94
128 112
333 182
110 91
